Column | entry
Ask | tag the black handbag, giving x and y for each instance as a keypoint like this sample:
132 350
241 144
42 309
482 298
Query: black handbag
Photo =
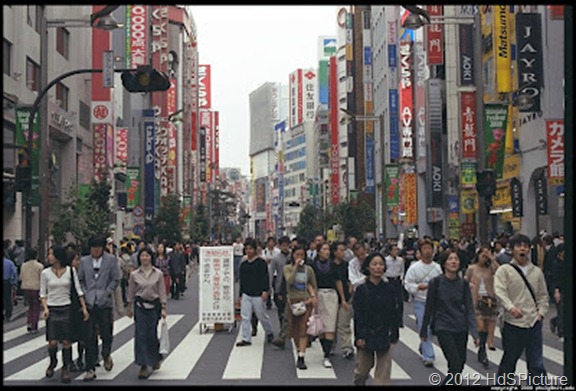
74 299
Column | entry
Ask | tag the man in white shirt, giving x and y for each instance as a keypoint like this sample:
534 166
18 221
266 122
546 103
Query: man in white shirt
395 275
416 283
355 275
350 242
268 254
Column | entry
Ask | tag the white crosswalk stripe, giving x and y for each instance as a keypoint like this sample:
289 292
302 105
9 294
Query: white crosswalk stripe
242 363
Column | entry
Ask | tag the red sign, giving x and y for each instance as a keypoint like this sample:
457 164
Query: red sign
555 146
468 124
100 112
434 37
204 87
99 150
138 35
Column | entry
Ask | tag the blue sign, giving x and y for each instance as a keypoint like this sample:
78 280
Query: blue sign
369 163
394 132
367 55
392 56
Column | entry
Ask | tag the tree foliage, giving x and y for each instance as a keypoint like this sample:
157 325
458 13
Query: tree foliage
83 216
311 223
168 220
355 218
200 223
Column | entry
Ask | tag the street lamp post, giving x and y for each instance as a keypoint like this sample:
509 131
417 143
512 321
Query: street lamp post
102 20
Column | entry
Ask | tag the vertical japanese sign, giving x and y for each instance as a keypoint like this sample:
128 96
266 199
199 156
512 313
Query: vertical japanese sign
368 102
516 194
434 37
541 189
410 198
453 217
309 98
421 74
99 151
137 35
394 120
334 143
468 124
392 185
186 211
468 174
406 102
121 149
172 136
323 82
207 121
495 122
434 178
22 133
502 47
530 64
204 86
555 147
149 168
392 48
216 143
296 109
216 296
133 187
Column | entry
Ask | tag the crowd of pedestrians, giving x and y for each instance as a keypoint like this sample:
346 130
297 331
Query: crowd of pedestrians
359 289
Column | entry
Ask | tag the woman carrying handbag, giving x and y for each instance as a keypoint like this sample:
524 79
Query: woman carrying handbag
301 295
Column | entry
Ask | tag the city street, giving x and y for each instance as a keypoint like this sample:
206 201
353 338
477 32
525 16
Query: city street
211 358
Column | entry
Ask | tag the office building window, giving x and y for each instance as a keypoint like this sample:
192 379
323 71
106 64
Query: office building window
62 93
84 118
9 154
7 54
32 74
34 13
62 41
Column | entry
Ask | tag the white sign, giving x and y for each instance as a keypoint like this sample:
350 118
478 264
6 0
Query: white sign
216 276
108 69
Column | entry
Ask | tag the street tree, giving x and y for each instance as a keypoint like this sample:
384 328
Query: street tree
168 221
310 223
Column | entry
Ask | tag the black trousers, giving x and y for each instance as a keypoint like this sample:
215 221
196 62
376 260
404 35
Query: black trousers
8 303
453 346
398 288
100 323
280 305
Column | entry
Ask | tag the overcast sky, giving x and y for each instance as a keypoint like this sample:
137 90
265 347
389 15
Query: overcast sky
247 46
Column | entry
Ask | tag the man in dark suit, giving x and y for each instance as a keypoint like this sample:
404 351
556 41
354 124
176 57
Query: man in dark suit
99 276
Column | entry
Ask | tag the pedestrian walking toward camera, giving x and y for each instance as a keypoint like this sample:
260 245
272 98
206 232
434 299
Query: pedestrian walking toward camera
78 324
99 276
328 285
416 283
480 275
395 275
30 273
301 297
56 292
147 303
450 311
376 321
276 268
254 287
162 262
522 293
177 270
345 307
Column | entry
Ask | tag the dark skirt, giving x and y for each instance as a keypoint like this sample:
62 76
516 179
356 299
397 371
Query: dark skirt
146 343
58 324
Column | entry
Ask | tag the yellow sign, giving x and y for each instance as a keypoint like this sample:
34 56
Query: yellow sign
410 199
502 197
502 47
468 201
511 167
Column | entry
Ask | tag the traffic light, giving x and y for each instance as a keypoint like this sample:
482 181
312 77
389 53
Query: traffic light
486 183
145 79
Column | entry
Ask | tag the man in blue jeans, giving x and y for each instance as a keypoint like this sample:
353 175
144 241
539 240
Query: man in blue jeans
416 283
524 307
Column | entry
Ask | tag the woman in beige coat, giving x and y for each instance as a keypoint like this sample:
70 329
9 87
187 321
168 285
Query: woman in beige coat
481 277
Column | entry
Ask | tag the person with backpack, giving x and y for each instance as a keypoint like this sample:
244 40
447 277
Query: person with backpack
450 312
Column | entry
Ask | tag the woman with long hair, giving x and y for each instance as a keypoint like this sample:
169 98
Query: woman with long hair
56 298
147 294
300 288
480 275
329 284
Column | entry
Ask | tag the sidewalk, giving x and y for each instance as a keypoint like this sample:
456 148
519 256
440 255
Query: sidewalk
19 310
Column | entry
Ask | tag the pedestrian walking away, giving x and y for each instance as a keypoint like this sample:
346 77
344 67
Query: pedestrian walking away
30 273
345 307
376 323
99 277
9 283
522 294
147 303
450 311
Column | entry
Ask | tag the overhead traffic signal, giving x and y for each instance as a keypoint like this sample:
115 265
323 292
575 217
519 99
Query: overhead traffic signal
145 79
486 183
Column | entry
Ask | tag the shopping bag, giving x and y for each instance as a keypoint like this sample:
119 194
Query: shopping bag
315 325
164 338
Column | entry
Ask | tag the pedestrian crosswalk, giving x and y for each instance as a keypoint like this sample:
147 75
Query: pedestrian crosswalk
192 352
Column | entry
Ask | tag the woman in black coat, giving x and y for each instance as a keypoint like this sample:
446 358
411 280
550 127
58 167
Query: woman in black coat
376 322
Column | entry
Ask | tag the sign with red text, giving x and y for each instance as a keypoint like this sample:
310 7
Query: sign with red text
121 149
216 275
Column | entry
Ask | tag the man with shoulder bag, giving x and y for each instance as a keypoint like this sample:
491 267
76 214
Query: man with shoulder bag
521 291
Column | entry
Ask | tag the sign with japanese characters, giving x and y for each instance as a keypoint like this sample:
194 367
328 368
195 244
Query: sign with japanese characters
468 125
434 37
216 304
555 146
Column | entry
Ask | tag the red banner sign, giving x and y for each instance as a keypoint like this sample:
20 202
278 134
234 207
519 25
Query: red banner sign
555 146
468 125
434 37
204 87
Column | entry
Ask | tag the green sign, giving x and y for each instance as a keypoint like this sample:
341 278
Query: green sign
133 187
392 185
495 122
22 122
468 173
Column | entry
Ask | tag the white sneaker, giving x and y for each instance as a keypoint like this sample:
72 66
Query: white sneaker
326 363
